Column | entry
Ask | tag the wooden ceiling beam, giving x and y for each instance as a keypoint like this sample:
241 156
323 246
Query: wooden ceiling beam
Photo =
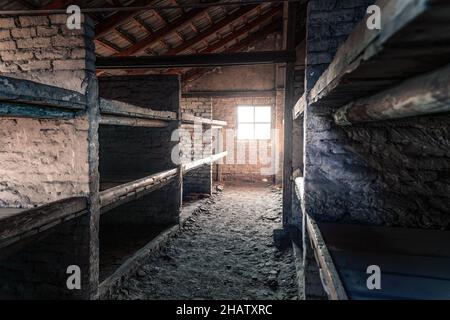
116 19
195 60
238 14
159 34
59 4
275 25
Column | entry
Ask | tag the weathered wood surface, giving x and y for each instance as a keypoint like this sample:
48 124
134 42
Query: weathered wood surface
14 226
34 93
334 287
414 263
414 39
119 108
299 107
132 122
134 189
21 110
198 163
189 118
426 94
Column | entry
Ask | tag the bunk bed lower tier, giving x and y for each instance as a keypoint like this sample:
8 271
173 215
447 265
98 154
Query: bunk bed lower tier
414 263
117 191
17 225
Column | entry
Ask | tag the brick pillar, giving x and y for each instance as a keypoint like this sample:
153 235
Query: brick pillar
42 49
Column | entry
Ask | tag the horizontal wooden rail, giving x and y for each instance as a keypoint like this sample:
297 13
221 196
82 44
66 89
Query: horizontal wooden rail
330 276
119 108
195 60
198 163
299 107
189 118
423 95
33 93
24 223
134 189
132 122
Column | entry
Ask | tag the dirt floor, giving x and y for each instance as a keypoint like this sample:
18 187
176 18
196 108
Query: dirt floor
225 251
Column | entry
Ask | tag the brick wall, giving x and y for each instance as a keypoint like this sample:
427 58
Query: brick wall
43 49
248 160
195 140
158 92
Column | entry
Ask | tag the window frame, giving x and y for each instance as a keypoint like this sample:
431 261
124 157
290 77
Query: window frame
254 122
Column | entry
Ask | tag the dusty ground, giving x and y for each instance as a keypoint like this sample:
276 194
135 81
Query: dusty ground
225 251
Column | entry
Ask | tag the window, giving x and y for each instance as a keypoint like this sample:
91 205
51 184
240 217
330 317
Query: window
254 122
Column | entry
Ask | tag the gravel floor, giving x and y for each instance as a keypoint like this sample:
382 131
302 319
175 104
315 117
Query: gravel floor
225 251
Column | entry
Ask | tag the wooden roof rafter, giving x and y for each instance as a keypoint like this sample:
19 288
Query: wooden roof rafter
195 73
238 14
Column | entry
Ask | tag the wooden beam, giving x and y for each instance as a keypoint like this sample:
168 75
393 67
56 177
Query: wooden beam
122 109
238 33
132 122
17 226
208 160
107 45
262 33
291 12
159 34
59 4
334 287
109 198
423 95
116 19
189 118
211 30
28 92
196 60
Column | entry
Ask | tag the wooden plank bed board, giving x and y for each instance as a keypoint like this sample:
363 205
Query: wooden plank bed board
16 223
388 56
414 263
122 109
33 93
189 118
122 193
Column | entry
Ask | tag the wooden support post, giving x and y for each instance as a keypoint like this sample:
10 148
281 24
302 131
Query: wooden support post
291 9
422 95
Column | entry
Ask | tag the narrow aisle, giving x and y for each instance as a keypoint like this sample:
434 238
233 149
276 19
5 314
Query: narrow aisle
225 251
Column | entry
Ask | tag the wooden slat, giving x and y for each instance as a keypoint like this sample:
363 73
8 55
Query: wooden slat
299 107
33 111
423 95
198 163
161 33
13 226
189 118
335 288
372 60
33 93
132 189
122 109
132 122
196 60
218 26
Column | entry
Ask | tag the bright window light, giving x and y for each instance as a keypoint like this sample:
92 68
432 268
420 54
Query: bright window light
254 122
